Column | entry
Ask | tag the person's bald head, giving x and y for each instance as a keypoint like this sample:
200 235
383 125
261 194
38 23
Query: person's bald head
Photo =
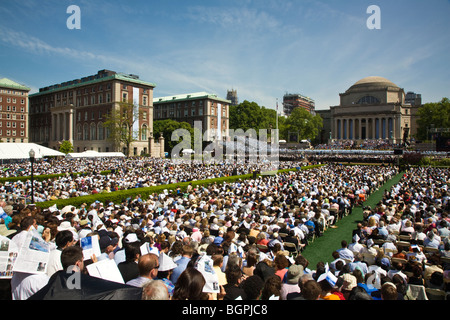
148 265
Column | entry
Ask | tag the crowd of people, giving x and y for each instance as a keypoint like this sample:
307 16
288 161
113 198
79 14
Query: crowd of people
82 177
367 144
239 229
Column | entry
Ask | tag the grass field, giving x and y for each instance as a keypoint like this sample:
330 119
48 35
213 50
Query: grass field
322 248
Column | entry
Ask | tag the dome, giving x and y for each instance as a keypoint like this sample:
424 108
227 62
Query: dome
372 83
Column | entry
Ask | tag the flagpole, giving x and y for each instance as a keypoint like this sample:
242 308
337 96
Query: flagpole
277 116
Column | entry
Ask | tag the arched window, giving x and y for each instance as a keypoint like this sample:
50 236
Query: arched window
93 131
85 132
100 130
144 132
368 100
79 133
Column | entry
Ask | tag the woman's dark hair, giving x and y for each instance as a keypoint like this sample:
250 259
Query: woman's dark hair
271 287
190 285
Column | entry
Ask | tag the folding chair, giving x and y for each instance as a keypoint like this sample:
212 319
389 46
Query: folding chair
435 294
403 237
291 248
282 235
262 248
416 292
404 261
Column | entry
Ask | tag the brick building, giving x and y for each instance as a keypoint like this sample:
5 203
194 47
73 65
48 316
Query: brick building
76 111
292 101
208 108
13 111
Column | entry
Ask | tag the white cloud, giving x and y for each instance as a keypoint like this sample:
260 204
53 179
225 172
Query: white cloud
35 45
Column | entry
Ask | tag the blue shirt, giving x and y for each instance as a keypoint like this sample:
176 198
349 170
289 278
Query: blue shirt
181 266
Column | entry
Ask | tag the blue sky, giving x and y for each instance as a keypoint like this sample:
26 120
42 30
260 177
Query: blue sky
261 48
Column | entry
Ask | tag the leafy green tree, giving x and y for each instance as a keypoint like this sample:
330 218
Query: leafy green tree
434 114
303 122
66 147
167 127
249 115
120 124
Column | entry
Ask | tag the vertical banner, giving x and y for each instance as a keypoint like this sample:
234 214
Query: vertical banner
136 113
219 122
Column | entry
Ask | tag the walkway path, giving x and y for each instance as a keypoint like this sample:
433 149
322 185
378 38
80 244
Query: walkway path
322 248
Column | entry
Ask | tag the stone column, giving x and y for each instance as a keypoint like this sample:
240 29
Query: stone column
360 128
58 127
71 126
161 145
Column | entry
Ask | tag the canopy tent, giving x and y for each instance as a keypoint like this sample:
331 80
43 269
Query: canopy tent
94 154
12 151
90 288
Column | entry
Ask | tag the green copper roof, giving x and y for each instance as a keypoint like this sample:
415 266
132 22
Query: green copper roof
98 80
189 96
7 83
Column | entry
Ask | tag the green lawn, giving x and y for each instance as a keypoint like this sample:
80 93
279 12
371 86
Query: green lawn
322 248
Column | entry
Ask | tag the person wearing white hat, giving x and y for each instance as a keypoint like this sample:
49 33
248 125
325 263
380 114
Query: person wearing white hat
67 225
166 267
131 248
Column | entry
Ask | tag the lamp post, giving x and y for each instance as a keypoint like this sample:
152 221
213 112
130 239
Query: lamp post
32 154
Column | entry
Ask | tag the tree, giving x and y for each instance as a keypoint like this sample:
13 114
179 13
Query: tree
432 115
302 122
120 123
249 115
167 127
66 147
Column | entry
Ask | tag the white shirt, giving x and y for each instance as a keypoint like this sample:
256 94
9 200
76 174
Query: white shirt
54 262
29 285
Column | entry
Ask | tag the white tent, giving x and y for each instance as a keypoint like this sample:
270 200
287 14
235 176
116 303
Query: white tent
12 151
94 154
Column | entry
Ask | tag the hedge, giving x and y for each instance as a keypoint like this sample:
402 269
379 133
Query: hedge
119 196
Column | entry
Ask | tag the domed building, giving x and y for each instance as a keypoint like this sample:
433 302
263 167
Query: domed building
373 108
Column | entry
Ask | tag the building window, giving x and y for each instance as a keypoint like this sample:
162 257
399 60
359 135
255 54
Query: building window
368 100
100 131
144 100
93 131
85 132
144 133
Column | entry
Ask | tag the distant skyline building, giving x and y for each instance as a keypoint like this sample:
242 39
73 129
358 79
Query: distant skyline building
414 99
76 111
233 97
13 111
296 100
208 108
